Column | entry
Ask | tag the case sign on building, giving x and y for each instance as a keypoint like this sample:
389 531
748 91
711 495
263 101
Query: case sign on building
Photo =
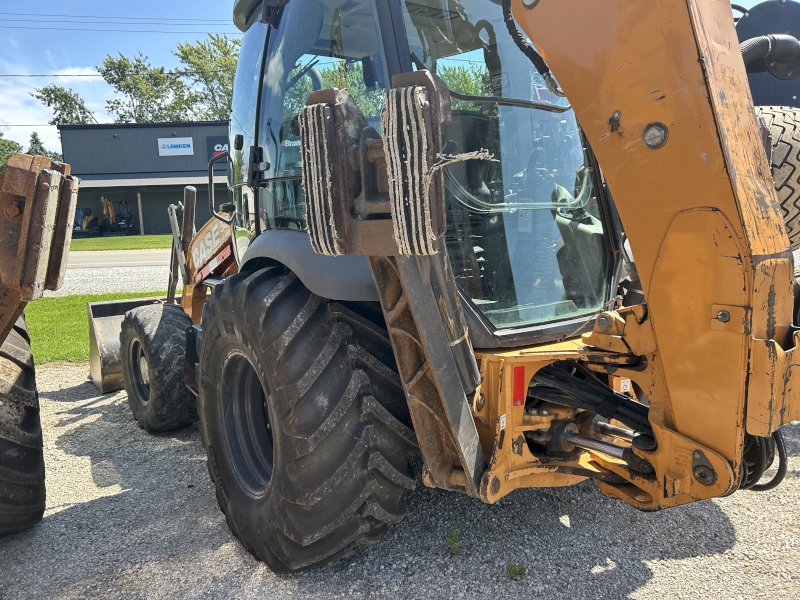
175 146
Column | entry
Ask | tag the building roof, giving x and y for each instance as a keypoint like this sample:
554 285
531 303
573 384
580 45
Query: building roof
142 180
173 124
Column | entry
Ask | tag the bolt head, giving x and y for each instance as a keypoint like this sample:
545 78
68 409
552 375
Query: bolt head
604 322
530 3
13 210
642 498
495 485
723 316
704 475
480 402
655 135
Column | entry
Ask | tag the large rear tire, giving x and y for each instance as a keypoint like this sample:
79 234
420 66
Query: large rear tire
22 491
152 352
303 418
784 125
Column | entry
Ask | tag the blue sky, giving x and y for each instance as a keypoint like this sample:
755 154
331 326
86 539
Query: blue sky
58 50
65 49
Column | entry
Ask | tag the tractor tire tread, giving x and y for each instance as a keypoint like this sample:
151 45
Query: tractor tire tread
22 474
345 428
161 330
784 125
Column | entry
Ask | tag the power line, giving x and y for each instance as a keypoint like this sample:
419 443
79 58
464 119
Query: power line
99 75
84 22
181 20
28 125
115 30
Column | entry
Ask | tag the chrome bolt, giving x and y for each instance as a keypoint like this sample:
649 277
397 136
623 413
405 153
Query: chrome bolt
723 316
604 322
480 402
530 3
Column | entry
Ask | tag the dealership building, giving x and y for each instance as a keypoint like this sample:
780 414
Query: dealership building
143 167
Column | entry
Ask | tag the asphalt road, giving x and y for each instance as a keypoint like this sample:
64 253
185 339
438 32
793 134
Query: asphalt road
118 258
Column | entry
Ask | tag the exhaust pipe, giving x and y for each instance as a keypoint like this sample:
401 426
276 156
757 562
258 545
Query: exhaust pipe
778 48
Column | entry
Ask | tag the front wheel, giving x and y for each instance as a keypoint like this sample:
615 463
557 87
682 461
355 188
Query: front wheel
303 418
152 353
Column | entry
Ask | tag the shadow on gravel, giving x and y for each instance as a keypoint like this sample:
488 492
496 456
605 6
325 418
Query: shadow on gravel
162 533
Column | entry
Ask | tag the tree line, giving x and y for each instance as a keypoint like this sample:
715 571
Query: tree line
200 89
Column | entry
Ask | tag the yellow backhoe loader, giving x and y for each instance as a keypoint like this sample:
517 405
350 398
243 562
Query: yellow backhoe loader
538 241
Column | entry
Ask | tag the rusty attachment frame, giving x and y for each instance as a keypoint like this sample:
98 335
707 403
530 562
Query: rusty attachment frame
37 207
352 199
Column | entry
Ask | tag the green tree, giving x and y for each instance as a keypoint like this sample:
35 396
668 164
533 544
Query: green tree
36 148
472 80
68 107
349 76
147 94
7 149
210 66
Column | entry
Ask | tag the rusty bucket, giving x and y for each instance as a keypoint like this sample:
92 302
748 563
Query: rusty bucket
105 324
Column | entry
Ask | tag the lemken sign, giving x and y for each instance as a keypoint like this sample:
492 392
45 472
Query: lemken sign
175 146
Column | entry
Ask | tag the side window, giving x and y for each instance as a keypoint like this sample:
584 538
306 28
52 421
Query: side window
315 46
243 122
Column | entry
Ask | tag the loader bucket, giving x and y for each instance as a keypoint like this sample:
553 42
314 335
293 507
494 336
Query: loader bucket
105 323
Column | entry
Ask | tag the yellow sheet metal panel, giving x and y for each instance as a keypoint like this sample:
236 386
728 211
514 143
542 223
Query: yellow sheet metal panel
700 209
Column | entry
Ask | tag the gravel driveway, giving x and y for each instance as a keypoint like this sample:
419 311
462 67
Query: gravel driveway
134 516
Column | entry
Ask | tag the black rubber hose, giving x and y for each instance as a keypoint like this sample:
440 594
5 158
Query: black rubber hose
780 446
528 50
776 48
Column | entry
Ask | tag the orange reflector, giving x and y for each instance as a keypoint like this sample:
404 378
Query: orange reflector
519 386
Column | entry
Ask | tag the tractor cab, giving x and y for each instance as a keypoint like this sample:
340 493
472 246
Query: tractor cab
530 234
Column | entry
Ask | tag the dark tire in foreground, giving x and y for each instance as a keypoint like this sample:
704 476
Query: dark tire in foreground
303 418
784 125
152 352
22 492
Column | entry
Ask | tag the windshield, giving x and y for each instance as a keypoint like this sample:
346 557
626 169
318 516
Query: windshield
318 44
525 235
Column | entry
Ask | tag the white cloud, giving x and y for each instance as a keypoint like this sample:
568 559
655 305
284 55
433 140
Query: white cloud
20 108
80 71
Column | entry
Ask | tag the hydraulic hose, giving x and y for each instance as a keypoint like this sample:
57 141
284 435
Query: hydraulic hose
529 51
780 448
779 48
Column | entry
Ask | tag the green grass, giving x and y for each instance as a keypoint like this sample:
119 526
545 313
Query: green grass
59 327
454 543
515 571
123 242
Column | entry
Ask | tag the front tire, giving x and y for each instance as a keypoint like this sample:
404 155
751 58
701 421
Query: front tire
22 491
152 352
303 418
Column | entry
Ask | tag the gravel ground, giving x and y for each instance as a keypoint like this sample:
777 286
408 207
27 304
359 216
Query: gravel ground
134 516
108 280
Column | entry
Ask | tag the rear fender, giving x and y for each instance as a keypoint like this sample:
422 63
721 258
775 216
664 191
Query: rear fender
343 278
